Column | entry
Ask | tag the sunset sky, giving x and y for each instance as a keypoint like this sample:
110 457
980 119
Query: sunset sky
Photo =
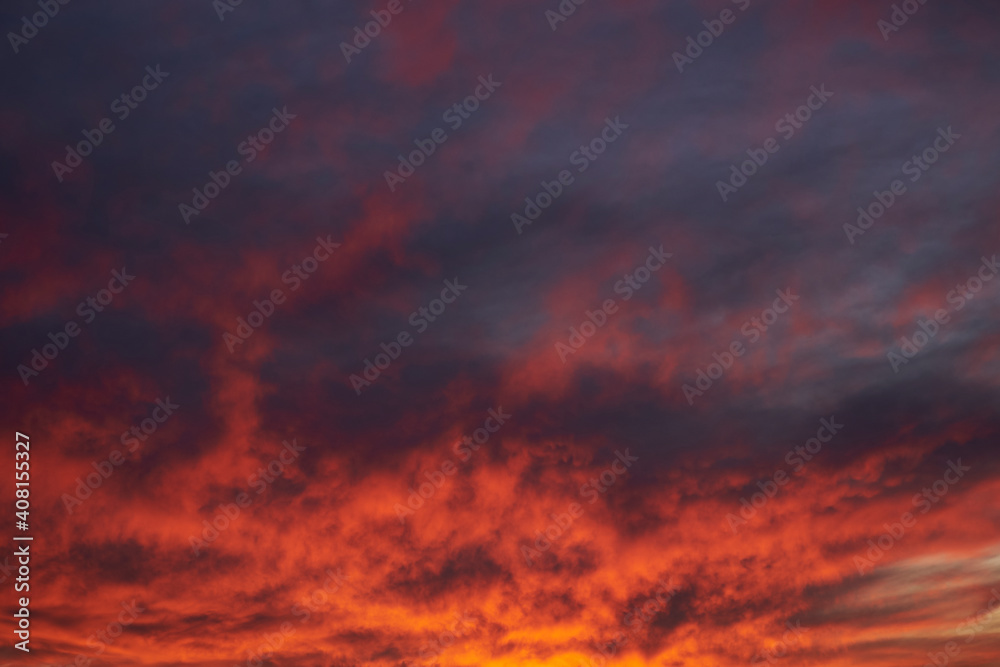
508 333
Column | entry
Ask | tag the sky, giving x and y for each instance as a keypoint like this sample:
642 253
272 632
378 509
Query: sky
528 333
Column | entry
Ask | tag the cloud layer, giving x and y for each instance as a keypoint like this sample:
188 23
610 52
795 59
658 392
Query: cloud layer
643 419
